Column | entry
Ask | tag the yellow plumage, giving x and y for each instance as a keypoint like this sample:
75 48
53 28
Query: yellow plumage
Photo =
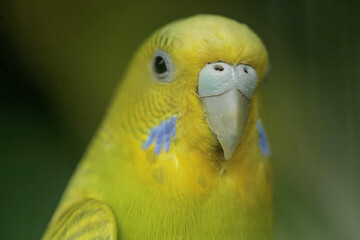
190 192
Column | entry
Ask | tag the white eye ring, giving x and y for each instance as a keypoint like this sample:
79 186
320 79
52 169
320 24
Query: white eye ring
162 66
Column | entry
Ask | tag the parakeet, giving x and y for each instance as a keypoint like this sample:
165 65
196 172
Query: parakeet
181 152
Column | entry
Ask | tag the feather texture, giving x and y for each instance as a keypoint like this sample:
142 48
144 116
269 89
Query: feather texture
185 190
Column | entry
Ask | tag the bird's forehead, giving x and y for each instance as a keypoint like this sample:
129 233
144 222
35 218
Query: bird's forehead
205 38
212 35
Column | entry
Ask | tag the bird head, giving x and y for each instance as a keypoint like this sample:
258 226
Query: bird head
193 81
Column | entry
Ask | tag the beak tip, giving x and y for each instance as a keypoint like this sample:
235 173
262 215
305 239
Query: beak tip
229 148
228 155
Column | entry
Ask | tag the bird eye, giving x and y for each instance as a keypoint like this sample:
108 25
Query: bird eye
162 66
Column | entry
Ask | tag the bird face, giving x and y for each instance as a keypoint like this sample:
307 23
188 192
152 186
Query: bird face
198 74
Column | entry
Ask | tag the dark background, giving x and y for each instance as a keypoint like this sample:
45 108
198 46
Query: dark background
60 61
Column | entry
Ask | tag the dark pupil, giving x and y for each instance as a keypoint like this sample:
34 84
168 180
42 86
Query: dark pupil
160 65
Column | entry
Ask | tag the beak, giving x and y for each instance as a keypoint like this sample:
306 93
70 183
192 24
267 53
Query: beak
225 92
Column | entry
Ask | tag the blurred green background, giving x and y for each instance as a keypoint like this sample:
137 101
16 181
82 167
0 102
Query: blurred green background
60 61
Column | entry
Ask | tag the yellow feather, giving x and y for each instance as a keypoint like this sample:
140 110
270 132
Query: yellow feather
191 192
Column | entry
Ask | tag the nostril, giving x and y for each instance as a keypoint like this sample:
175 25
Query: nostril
219 68
245 70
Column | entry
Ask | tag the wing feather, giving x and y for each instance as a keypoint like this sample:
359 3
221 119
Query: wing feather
88 219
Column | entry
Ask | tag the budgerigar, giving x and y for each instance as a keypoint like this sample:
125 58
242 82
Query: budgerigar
181 152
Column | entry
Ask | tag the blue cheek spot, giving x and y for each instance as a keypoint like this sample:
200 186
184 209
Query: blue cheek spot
263 143
161 135
149 140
